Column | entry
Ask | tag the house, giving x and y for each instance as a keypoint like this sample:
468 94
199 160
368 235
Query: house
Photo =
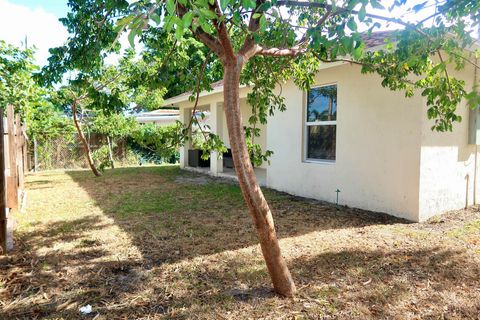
161 117
351 134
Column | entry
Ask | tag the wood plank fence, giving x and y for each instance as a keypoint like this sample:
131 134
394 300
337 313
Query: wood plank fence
13 166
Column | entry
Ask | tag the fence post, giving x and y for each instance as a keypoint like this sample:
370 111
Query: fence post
19 160
12 181
3 207
35 155
25 149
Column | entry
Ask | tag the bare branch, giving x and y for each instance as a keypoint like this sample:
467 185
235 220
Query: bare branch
197 89
339 10
280 52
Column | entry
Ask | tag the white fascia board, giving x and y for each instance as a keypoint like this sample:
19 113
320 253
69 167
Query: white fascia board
183 98
159 119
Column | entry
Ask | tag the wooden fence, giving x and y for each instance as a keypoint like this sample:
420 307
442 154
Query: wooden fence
13 165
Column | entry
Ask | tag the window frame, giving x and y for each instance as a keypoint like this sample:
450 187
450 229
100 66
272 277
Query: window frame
307 124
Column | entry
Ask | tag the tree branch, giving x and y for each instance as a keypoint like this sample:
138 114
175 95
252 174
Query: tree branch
339 10
249 47
222 31
280 52
207 39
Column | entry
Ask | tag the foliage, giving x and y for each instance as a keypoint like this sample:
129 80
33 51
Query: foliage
202 138
94 37
16 85
257 155
163 140
101 156
178 35
114 125
45 121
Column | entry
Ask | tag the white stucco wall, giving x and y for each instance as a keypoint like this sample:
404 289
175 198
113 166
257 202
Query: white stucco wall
378 146
447 163
387 157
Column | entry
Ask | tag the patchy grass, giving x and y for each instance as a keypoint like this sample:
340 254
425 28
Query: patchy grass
159 243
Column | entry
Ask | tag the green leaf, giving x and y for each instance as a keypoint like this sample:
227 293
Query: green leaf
237 18
223 4
357 53
263 23
352 25
206 27
249 4
168 23
362 13
171 6
121 23
376 4
187 19
179 32
347 43
131 37
419 6
155 17
208 13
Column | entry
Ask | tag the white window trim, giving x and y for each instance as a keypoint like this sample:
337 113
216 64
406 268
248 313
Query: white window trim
315 123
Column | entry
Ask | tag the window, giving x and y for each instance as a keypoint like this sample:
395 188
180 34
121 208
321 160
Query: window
321 123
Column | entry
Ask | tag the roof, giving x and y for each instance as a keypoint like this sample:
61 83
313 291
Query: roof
184 96
159 116
160 112
217 87
377 38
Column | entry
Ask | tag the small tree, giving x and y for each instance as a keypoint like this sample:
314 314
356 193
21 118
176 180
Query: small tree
263 43
88 95
113 126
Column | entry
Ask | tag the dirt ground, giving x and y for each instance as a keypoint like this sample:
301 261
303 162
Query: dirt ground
159 243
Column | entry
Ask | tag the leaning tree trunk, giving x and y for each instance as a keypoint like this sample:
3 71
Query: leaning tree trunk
257 205
84 141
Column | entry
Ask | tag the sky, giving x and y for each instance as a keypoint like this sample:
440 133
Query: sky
36 20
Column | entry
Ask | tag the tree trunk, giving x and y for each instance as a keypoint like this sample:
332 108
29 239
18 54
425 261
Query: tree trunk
110 152
84 141
257 205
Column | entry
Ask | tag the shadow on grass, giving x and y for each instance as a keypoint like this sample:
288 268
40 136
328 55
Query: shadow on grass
176 218
173 215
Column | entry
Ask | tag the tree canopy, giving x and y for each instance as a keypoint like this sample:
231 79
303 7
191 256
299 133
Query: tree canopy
177 36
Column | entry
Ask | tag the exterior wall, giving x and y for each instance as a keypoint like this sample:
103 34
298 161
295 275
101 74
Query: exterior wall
378 146
387 158
447 171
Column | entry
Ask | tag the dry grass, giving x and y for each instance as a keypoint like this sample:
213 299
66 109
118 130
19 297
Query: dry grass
158 243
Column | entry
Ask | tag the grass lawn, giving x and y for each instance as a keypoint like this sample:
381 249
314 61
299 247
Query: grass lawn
159 243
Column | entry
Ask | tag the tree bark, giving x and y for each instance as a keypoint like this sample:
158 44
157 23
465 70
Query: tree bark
254 198
84 141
